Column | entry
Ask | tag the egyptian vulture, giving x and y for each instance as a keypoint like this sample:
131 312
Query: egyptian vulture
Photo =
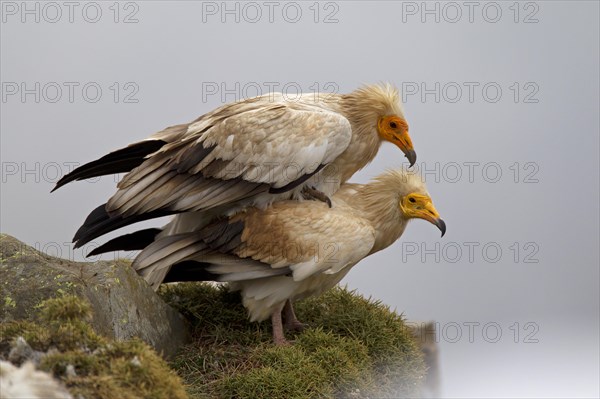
249 153
292 249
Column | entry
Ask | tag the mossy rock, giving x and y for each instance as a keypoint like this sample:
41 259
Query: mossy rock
101 368
355 348
123 304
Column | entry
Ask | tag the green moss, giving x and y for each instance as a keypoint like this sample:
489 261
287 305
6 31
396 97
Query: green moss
9 302
104 368
397 361
345 360
37 336
358 347
280 372
121 369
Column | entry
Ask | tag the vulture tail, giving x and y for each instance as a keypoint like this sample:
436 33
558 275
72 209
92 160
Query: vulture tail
99 222
120 161
128 242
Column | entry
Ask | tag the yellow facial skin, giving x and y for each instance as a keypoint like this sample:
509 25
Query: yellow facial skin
420 206
394 129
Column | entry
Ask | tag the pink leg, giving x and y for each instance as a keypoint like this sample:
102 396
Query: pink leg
278 335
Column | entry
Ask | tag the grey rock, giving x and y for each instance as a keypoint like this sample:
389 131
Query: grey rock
70 371
123 304
21 352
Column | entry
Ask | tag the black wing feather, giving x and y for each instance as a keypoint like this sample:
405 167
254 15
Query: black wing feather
128 242
99 222
120 161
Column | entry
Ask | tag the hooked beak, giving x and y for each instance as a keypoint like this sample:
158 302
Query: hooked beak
411 155
429 213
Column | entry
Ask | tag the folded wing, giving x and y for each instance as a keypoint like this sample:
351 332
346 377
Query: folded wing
240 152
299 239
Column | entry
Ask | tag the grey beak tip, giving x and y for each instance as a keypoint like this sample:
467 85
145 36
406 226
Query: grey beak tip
412 157
442 226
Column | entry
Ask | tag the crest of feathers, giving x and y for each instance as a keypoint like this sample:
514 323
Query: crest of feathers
383 192
368 103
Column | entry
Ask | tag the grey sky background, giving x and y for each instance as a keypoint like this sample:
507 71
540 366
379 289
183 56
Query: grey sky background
541 134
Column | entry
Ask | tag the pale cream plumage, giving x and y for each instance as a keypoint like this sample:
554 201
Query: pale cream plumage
292 250
249 153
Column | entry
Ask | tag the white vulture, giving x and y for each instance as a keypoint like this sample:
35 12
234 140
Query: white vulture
249 153
291 249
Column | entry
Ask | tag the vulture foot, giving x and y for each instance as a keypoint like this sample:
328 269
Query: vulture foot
295 326
291 322
314 194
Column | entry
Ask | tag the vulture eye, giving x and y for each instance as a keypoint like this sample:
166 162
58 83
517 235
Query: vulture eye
393 125
412 200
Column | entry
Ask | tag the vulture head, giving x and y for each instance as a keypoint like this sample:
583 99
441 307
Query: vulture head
377 109
419 206
414 202
400 195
